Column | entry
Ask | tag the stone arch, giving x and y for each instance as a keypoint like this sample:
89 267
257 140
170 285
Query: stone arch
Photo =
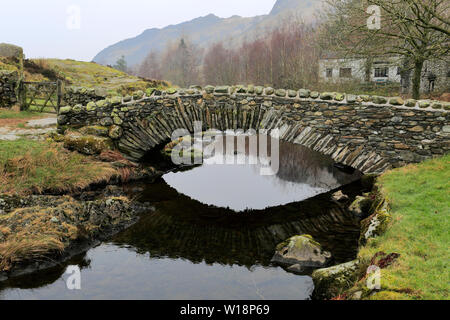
145 132
370 134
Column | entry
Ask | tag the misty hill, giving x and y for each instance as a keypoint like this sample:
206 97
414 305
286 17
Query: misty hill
207 30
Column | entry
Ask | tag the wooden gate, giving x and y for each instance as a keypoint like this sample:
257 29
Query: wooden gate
41 96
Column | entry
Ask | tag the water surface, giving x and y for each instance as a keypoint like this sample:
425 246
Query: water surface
194 246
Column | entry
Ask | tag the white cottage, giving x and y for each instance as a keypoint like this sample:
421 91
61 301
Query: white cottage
385 69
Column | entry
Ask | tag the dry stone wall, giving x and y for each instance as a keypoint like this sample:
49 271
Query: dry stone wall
8 83
81 95
370 134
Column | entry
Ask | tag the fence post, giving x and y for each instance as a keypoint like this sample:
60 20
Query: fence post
59 90
22 95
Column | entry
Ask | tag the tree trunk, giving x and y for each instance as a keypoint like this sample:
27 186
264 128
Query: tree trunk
418 65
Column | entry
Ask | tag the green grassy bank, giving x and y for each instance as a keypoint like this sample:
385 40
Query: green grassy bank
419 197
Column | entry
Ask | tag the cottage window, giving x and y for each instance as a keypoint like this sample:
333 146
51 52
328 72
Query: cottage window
345 72
329 73
381 72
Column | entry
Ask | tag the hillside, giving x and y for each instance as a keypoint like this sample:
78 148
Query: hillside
80 74
207 30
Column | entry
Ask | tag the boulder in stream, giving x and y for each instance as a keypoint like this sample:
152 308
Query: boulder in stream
301 252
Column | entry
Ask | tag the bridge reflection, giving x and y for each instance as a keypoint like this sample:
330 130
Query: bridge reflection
184 228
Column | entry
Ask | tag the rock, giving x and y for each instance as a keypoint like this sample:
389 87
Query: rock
222 89
280 93
304 93
292 93
269 91
416 129
65 110
360 207
327 96
91 106
115 132
314 94
102 103
396 101
109 212
436 105
339 97
99 131
106 121
302 251
62 119
117 120
376 224
259 90
424 104
379 100
171 91
333 281
397 119
78 108
114 101
86 144
138 95
339 196
11 51
410 103
351 98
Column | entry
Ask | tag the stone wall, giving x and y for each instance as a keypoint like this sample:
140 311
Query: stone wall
370 134
8 83
11 51
80 95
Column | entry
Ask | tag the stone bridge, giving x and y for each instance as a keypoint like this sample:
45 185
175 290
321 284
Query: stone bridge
368 133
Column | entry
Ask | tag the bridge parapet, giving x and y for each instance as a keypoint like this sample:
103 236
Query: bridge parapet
368 133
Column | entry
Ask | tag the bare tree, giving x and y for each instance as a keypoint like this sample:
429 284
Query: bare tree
415 30
181 63
150 67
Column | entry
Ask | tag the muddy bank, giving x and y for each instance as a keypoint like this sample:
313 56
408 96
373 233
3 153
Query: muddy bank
40 232
347 281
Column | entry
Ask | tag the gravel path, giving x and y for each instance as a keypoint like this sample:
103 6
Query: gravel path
33 129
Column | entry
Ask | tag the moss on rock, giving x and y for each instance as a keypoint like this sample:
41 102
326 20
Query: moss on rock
303 251
99 131
87 144
376 224
333 281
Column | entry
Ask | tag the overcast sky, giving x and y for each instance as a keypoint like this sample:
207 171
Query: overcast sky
50 28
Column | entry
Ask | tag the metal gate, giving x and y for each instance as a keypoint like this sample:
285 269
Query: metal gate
41 96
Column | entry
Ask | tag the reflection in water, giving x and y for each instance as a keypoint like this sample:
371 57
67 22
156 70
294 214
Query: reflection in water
302 174
188 250
186 228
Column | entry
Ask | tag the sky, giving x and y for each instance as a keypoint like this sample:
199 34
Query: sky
79 29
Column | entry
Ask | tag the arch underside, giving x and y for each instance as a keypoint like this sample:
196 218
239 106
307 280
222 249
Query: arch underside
152 128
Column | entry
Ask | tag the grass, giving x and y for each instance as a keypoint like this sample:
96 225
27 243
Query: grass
31 234
419 196
11 114
92 75
34 167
